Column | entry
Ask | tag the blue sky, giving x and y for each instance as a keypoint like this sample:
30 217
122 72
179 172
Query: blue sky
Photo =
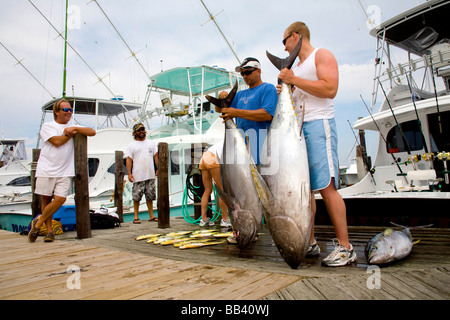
175 32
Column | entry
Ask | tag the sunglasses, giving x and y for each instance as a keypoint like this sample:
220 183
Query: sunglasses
285 39
67 109
140 130
247 72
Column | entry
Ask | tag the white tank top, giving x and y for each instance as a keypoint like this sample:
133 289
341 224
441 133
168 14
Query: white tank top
316 108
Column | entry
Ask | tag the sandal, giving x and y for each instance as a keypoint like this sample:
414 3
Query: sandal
136 221
153 219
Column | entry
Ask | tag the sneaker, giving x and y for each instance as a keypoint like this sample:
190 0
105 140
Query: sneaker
313 249
206 222
34 232
340 256
225 223
50 237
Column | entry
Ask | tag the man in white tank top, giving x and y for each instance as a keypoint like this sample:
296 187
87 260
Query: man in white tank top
315 81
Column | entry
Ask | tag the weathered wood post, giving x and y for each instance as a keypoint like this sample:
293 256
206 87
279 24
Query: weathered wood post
81 187
35 199
163 203
118 187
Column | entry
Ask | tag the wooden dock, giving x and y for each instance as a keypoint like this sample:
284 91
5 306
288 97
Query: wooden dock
112 265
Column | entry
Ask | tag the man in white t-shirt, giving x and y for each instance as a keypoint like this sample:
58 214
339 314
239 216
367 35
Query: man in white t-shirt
141 156
56 166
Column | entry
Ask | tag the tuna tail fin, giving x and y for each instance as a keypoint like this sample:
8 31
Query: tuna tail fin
410 228
287 62
225 102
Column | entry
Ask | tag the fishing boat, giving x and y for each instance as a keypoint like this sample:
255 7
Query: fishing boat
184 119
409 179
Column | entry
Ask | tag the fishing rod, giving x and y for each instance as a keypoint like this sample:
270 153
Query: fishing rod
384 139
435 92
65 55
366 165
408 149
417 113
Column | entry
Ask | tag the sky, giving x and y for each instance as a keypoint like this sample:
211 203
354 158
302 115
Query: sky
169 34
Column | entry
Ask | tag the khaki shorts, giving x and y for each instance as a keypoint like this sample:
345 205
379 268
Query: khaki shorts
209 161
53 186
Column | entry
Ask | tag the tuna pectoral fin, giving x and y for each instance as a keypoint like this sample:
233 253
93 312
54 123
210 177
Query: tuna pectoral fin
264 193
225 197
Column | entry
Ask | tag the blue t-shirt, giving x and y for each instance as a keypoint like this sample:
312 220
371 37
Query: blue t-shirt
263 96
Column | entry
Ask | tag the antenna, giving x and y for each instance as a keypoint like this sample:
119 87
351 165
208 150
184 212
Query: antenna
20 63
133 54
213 18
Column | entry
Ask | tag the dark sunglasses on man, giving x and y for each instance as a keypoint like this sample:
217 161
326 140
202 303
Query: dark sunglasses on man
67 109
247 72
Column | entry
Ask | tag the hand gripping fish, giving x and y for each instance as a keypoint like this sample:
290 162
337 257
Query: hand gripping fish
284 167
390 245
239 191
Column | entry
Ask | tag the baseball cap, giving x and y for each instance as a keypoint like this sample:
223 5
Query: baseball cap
248 63
138 126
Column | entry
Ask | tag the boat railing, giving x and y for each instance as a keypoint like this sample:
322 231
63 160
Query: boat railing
440 59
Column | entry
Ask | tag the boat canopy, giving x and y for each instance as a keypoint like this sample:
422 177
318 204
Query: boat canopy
12 149
194 81
418 29
92 106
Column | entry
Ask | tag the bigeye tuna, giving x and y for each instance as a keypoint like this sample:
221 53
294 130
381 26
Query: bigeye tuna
284 167
390 245
239 191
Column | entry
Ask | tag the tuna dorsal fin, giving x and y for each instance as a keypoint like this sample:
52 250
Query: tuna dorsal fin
287 62
225 102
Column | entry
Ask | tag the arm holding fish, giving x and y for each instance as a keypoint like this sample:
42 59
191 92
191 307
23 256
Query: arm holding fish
253 115
327 72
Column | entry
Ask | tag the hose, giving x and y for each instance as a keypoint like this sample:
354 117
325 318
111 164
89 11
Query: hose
190 188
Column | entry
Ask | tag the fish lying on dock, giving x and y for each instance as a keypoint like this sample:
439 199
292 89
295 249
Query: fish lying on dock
390 245
147 236
284 167
239 191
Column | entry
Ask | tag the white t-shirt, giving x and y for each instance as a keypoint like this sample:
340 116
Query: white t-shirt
55 162
315 108
142 153
217 149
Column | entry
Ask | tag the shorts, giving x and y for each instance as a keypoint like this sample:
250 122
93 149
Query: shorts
53 186
209 161
321 143
146 187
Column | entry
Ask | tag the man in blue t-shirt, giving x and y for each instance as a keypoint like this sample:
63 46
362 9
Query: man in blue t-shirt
254 107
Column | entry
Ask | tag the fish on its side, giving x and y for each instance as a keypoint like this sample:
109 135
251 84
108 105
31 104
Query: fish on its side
197 244
390 245
284 167
239 191
147 236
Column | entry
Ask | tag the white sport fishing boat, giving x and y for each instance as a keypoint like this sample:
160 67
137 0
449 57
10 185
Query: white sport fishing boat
185 118
409 179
